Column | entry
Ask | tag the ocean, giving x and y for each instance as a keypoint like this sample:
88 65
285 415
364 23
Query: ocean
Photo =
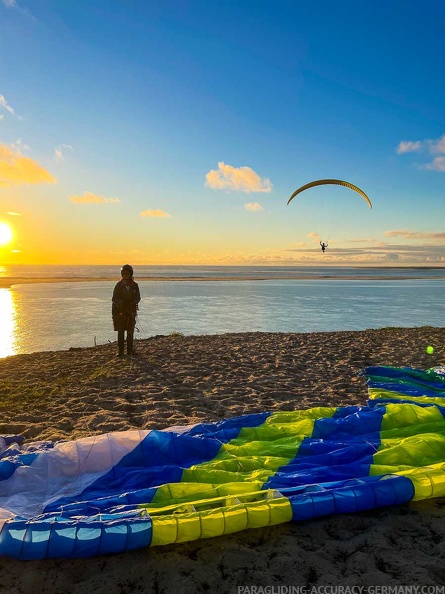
48 316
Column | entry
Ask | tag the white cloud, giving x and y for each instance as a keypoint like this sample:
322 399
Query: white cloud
429 146
437 146
13 4
408 234
433 146
437 164
90 198
18 145
402 254
154 213
408 146
58 155
253 206
59 151
238 179
5 105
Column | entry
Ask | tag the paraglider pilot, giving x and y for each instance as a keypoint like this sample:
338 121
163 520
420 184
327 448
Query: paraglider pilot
323 246
125 300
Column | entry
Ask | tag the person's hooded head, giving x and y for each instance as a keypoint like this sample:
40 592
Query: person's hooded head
127 272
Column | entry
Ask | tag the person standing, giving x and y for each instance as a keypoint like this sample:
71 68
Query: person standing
125 300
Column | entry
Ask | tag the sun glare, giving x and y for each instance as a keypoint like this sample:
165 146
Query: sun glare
8 317
6 233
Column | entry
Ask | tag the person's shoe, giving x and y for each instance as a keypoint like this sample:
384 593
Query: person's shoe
132 354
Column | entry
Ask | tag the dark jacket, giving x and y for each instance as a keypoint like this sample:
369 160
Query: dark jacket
125 305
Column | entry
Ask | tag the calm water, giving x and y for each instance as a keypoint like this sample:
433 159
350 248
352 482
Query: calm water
221 271
54 316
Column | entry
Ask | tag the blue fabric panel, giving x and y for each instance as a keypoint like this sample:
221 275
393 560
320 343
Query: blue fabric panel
232 426
351 496
424 379
161 457
317 474
74 539
8 467
63 538
349 421
102 504
407 390
341 447
382 401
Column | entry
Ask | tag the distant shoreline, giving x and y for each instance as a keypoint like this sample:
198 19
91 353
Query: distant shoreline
8 282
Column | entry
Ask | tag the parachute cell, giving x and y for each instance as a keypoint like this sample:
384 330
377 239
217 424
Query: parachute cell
336 182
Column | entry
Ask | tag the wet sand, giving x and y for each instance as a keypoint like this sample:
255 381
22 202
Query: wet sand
178 380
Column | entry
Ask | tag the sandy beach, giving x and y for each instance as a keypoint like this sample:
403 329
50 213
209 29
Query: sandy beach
180 380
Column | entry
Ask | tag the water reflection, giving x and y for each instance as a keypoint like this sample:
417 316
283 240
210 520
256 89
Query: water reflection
8 318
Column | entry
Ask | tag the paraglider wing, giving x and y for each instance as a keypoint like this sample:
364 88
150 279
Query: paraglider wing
337 182
138 488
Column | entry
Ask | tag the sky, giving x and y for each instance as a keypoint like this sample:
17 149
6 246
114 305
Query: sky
174 132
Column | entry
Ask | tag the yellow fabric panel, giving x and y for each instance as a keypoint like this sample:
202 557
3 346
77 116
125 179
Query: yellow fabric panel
285 417
428 481
416 450
184 492
206 474
378 393
258 452
280 424
381 469
414 429
192 525
232 463
411 436
401 415
280 448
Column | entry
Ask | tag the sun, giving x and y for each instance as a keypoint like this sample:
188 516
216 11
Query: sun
6 233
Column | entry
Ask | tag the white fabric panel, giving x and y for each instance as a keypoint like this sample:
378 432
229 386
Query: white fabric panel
66 469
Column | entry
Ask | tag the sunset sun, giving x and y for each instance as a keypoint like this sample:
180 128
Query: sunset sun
6 234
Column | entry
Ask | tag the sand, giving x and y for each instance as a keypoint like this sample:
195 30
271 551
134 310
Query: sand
177 380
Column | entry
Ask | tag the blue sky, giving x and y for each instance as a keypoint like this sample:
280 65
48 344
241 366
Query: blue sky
174 132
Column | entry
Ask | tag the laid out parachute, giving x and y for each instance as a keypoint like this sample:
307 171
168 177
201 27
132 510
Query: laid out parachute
337 182
132 489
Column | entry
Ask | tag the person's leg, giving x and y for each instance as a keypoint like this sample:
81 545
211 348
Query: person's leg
120 341
130 342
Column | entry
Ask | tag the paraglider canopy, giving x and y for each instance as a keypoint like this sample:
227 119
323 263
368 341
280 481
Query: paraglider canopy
337 182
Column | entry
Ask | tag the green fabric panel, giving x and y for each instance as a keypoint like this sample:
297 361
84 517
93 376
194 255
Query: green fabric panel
207 474
405 415
413 451
258 452
412 437
377 394
176 493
